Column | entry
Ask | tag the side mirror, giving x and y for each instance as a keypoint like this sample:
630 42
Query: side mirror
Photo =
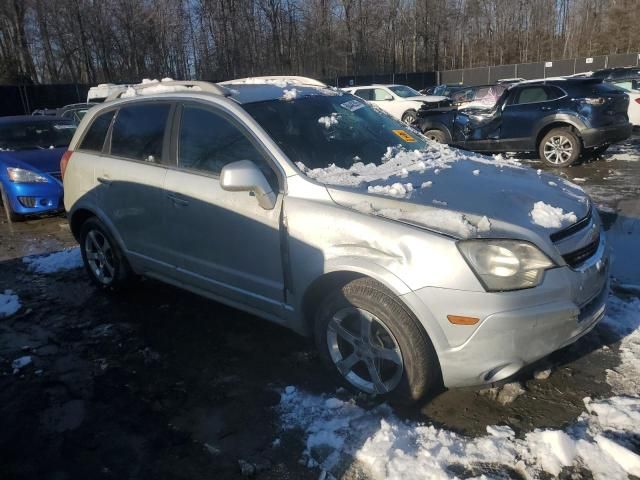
245 176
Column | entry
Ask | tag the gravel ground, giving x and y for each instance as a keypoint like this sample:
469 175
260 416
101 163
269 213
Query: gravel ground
159 383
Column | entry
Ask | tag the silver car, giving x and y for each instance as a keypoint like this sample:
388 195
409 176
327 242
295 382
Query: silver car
412 264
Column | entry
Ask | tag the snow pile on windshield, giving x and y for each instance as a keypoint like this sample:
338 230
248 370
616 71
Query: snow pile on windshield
548 216
55 262
290 94
9 303
329 120
396 161
150 87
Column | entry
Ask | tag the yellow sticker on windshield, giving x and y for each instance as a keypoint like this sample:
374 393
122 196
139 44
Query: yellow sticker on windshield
404 136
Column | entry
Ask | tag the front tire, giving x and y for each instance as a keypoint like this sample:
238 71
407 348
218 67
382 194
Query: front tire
559 148
104 261
409 117
366 335
437 136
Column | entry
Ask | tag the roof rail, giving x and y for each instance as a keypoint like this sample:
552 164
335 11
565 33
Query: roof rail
182 85
294 80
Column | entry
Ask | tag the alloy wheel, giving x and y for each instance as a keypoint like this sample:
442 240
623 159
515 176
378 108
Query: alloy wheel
364 350
100 256
558 149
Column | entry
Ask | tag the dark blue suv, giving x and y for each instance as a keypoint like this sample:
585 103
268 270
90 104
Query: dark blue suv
556 118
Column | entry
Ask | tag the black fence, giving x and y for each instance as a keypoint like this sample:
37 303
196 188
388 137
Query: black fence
490 75
24 99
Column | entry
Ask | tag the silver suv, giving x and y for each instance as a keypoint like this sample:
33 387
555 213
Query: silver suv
412 264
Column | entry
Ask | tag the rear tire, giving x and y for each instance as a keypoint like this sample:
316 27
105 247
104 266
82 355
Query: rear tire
559 148
104 261
367 337
437 136
11 215
409 117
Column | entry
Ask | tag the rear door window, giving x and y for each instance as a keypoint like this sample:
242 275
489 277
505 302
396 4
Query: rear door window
93 140
138 131
531 95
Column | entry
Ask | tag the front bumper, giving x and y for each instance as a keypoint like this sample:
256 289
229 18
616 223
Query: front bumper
34 198
515 328
596 137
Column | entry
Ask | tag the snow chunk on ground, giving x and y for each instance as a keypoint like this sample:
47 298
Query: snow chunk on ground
9 303
340 432
476 172
623 318
20 362
289 94
551 217
55 262
426 184
329 120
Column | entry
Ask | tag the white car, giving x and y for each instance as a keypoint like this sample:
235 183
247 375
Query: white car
399 101
632 88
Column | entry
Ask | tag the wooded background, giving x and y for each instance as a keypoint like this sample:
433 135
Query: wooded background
95 41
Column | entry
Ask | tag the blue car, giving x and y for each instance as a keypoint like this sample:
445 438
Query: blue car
30 151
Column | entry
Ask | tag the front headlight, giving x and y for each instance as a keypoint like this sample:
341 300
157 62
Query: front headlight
505 264
20 175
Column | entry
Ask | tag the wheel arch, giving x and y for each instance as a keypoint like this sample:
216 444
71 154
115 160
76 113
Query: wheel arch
558 121
425 126
79 215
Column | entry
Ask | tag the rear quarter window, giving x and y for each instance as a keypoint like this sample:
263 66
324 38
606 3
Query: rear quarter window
138 131
94 138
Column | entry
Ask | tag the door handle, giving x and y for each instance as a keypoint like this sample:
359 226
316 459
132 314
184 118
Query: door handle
104 181
177 200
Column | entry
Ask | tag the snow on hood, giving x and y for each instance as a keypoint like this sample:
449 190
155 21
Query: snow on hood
455 192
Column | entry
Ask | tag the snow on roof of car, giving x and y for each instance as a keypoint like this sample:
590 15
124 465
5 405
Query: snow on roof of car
261 92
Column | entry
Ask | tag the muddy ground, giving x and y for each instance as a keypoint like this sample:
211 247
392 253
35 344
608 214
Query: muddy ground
159 383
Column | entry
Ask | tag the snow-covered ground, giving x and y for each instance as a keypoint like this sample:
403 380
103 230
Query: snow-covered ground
340 434
63 260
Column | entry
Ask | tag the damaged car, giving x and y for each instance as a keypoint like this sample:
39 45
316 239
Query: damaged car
412 264
557 119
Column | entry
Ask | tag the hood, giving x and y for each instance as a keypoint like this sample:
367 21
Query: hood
41 160
427 98
461 194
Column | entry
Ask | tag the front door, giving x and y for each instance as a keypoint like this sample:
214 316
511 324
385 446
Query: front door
223 242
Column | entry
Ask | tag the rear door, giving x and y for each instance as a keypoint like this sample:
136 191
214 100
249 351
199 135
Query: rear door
222 242
526 106
131 178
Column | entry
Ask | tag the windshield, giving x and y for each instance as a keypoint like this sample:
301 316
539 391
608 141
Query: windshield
321 130
40 134
404 91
